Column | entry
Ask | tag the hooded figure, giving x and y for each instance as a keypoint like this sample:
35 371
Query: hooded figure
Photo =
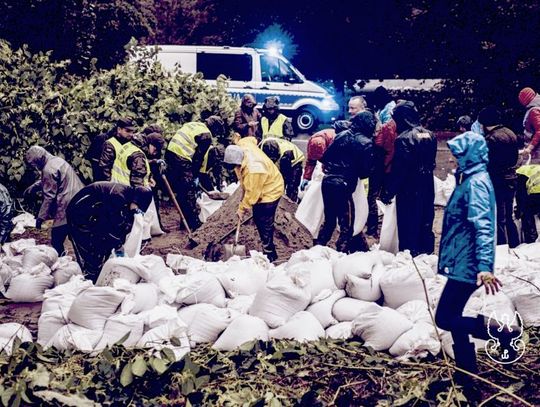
348 159
99 218
59 183
467 251
7 210
411 181
247 118
273 123
531 123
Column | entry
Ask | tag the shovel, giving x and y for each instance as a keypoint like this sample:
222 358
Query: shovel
215 249
215 195
192 242
235 249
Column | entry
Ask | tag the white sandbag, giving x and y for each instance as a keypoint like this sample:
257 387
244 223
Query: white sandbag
343 330
347 309
160 337
322 310
208 323
320 276
497 306
529 251
314 253
358 264
435 287
117 327
416 311
365 288
310 211
49 324
8 333
417 342
383 257
17 247
240 304
151 222
242 329
443 189
94 306
181 263
29 287
62 296
361 208
139 297
389 240
380 329
159 315
402 284
32 256
208 206
153 268
133 243
281 299
120 267
193 289
5 276
75 337
243 277
447 342
64 269
528 306
302 327
23 221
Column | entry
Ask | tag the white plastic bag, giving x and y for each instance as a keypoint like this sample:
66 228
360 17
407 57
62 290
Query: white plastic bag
381 328
389 240
242 329
302 327
358 264
28 287
72 336
33 256
133 243
310 211
64 269
151 222
322 310
94 306
347 309
117 327
417 341
361 208
208 206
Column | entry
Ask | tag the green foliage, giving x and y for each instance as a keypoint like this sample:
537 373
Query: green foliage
40 104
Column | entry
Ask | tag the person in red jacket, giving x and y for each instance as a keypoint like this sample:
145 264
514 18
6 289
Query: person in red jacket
531 123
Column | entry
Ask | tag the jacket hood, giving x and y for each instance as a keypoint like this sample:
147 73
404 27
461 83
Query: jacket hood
535 102
364 122
37 157
406 116
470 150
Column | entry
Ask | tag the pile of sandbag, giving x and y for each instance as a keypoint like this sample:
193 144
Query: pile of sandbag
27 270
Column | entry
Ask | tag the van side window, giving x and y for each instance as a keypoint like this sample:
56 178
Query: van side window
275 70
237 67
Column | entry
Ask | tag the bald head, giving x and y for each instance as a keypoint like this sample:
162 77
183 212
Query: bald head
357 104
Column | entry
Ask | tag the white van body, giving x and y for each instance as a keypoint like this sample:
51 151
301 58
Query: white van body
259 72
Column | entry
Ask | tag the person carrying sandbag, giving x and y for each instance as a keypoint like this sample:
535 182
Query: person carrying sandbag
263 187
59 183
99 218
467 253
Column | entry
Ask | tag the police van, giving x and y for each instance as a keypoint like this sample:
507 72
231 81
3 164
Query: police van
259 72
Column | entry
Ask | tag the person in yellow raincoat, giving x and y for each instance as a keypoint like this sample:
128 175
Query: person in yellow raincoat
263 187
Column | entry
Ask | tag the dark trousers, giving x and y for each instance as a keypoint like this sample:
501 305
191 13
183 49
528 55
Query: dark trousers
58 237
415 213
180 175
292 181
450 317
505 191
264 215
338 208
528 207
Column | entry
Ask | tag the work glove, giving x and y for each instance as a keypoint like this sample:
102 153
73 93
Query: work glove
304 184
39 223
162 165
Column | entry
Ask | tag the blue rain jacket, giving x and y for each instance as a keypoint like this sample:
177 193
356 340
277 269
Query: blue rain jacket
468 235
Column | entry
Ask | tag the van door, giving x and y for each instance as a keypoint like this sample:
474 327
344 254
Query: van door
237 67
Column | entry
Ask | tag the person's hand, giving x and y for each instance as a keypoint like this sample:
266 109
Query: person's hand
152 183
304 184
526 151
489 281
162 165
240 213
39 223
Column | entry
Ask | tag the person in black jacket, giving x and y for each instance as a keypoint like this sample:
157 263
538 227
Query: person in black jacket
503 146
411 181
347 159
99 218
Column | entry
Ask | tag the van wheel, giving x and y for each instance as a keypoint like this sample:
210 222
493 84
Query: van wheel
305 121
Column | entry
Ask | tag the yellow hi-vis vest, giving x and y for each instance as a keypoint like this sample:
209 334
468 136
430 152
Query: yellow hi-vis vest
117 147
284 146
276 129
204 166
531 171
120 171
183 143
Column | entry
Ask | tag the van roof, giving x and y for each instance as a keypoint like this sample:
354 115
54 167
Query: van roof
194 48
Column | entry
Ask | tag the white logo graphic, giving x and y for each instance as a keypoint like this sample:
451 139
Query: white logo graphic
505 345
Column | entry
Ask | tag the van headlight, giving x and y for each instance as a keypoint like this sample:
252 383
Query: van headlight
328 103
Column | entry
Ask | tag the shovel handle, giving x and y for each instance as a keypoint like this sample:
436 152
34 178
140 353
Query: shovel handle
237 232
176 205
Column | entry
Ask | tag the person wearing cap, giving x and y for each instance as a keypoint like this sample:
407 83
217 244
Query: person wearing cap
132 166
185 156
263 187
411 181
531 123
99 217
105 147
348 159
273 123
289 159
247 118
503 155
7 210
58 183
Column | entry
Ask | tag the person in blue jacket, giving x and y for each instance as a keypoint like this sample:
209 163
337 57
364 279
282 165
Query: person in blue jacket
467 251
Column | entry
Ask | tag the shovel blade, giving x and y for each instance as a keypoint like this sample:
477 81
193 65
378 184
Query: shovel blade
231 250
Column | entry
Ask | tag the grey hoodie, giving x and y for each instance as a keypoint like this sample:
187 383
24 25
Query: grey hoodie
59 184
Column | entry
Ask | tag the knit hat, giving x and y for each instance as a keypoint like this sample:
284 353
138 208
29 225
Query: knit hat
233 155
155 139
126 123
316 148
489 116
526 95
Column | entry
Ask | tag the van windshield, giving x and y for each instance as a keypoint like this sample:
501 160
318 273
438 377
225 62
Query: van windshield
274 69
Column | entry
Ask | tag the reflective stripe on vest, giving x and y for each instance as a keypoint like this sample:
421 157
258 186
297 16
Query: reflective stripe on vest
276 129
117 147
533 173
183 143
120 171
284 146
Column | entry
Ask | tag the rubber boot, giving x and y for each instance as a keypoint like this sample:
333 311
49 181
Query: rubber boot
465 357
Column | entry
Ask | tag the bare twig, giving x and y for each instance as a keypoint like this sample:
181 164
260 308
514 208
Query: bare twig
343 386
